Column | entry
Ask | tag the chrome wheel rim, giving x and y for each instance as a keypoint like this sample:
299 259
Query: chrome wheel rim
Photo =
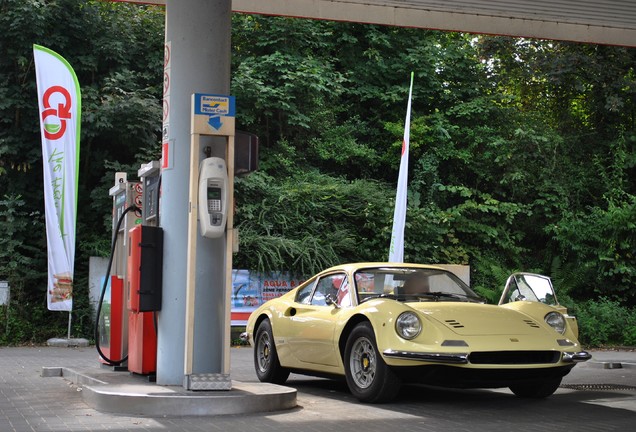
263 351
363 363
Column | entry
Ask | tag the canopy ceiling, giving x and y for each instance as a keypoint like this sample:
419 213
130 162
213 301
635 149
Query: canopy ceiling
610 22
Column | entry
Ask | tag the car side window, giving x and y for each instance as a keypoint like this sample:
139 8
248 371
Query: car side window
343 298
334 285
304 294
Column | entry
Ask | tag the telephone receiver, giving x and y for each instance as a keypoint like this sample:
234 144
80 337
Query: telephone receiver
213 199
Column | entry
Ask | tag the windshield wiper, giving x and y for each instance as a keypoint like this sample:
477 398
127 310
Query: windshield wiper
437 295
374 296
428 295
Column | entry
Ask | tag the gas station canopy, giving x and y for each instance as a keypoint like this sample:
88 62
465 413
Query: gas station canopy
197 57
611 22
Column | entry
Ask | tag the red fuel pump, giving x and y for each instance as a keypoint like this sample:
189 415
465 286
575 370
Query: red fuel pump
144 297
111 333
145 261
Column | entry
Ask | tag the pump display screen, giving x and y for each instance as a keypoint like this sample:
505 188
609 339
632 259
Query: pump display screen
214 193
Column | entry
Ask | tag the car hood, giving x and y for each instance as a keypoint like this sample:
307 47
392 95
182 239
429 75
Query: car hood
470 319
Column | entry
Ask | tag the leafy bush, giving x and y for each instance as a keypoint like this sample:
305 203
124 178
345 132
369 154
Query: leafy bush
523 152
601 242
606 322
309 221
117 53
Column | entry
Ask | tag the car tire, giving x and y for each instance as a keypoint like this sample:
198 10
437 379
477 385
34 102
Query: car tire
266 363
369 378
537 389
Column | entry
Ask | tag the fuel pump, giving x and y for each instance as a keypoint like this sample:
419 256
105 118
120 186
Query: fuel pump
111 332
150 175
145 261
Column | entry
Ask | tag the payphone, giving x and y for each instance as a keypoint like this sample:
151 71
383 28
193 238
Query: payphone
212 197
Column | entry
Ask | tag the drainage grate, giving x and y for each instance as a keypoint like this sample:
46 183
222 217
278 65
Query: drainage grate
597 387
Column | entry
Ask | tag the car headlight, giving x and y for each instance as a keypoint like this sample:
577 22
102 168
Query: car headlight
556 321
408 325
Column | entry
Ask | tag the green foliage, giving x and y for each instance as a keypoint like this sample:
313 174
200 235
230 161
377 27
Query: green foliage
606 322
23 267
117 53
20 256
308 222
602 241
490 280
523 152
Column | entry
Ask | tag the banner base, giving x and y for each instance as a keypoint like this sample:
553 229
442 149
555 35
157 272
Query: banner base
67 343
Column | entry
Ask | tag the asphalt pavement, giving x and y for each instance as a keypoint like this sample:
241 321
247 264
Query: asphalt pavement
599 395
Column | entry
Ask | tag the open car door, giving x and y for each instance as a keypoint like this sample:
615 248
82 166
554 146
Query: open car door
537 288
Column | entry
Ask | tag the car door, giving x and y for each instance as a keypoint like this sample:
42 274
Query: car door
313 322
529 287
538 288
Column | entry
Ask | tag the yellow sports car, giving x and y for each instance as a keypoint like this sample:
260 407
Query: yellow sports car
381 324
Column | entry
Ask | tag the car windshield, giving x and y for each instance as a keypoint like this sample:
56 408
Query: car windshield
412 284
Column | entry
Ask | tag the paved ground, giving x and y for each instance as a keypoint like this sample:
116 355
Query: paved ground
607 403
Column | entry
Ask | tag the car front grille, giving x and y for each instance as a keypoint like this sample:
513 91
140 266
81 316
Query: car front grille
514 357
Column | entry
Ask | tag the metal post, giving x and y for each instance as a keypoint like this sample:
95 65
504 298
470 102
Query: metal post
209 375
198 33
229 250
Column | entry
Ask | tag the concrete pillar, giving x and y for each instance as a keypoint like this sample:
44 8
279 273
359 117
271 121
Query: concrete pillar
199 35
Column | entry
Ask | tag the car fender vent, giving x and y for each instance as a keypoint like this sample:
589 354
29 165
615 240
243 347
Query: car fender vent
532 323
454 323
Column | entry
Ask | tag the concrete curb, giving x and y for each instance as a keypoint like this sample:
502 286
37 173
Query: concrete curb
613 365
123 393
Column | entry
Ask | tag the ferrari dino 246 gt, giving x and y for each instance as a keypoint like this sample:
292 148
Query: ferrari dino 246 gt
381 324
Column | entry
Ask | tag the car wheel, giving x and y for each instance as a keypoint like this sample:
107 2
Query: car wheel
537 389
268 368
368 376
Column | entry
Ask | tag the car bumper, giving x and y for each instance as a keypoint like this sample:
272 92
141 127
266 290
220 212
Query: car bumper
446 358
464 358
576 357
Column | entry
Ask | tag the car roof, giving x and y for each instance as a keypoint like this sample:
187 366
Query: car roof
352 267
